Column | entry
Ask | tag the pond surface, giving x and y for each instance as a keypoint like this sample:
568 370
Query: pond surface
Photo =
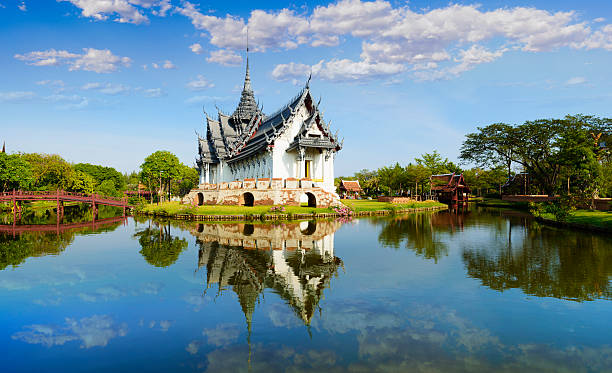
484 290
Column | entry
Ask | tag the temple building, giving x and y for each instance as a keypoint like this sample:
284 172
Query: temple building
294 142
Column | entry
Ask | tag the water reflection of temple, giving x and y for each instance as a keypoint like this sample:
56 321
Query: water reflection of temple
294 260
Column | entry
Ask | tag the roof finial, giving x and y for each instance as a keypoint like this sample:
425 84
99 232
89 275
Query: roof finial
247 78
309 77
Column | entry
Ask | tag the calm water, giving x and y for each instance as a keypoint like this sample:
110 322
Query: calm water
488 290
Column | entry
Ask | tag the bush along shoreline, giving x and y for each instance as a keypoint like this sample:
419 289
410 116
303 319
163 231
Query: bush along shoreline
562 214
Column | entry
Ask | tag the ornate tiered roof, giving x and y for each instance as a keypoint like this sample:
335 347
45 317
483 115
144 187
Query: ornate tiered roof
248 131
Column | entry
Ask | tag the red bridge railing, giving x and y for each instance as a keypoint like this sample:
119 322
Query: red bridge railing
61 195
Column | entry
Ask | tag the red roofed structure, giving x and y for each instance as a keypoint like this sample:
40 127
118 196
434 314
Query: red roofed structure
450 188
349 188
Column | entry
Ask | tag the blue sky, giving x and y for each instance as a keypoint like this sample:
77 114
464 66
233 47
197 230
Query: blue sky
111 83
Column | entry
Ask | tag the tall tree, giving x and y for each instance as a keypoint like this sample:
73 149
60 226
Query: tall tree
50 171
545 148
102 173
159 169
15 173
491 146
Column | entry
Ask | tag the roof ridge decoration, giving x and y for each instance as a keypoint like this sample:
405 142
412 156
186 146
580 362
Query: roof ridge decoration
247 107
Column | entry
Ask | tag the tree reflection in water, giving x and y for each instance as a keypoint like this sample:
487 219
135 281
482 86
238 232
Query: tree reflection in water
159 247
417 233
544 261
294 260
513 252
17 243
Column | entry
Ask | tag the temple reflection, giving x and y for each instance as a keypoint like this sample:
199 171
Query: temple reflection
294 260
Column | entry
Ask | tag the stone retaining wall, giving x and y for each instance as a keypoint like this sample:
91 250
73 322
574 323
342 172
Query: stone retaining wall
262 192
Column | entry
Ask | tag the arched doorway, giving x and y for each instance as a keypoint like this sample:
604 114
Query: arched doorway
309 199
308 227
200 199
246 199
248 229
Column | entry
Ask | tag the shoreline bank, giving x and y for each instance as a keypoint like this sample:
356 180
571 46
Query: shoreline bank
594 215
288 216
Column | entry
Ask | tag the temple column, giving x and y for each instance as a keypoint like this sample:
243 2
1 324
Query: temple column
300 159
207 173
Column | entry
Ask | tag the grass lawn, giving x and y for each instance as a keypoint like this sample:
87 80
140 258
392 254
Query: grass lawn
496 202
602 219
175 208
359 205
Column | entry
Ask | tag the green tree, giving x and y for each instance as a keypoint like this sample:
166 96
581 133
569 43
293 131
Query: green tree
102 173
434 163
417 175
159 169
546 148
81 183
159 247
393 179
368 180
492 145
188 179
15 173
107 188
50 171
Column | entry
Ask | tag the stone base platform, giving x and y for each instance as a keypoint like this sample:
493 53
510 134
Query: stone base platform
262 192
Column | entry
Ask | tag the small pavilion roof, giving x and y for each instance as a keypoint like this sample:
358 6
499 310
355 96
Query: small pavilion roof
350 185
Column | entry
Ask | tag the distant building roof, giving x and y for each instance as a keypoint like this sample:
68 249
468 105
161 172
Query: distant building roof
448 182
350 185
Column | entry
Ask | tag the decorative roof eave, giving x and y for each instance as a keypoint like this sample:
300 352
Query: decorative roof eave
312 142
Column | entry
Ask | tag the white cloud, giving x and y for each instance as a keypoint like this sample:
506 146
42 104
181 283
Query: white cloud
446 41
225 57
222 335
95 331
49 57
196 48
103 294
167 64
100 61
576 80
199 84
54 83
64 98
153 92
22 7
600 19
96 60
106 88
17 96
337 70
206 99
101 9
164 325
193 347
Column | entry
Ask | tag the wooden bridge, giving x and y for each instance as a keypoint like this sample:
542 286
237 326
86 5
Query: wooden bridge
61 196
58 228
